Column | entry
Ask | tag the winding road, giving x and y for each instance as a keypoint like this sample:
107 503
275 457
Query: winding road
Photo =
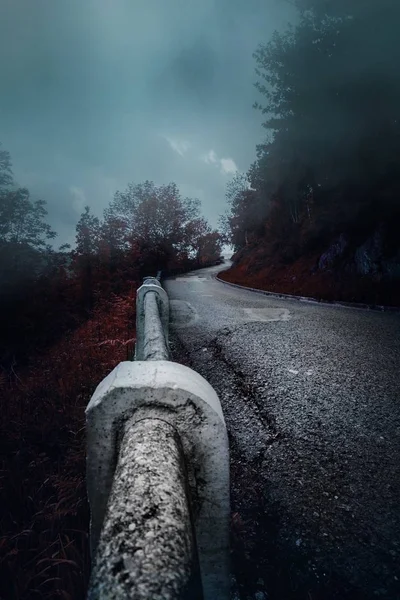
310 394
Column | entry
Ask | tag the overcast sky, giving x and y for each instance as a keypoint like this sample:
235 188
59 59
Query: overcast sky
97 93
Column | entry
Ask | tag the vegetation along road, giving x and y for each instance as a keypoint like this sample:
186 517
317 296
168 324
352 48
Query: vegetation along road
310 397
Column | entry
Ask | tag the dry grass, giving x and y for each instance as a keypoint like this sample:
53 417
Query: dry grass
301 278
44 519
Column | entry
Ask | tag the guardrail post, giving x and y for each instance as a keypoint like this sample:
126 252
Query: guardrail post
148 526
157 474
150 284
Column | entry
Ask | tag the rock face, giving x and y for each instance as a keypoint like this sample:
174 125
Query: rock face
351 265
329 257
392 267
369 259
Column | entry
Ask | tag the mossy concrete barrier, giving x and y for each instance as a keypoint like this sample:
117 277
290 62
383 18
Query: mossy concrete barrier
142 392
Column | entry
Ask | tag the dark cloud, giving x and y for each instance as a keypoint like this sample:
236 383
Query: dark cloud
98 93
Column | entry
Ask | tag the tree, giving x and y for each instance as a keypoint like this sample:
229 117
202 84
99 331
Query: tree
86 254
6 177
244 217
194 231
22 220
24 234
209 248
157 218
87 234
330 106
328 88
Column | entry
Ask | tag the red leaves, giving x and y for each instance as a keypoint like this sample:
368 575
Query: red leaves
45 516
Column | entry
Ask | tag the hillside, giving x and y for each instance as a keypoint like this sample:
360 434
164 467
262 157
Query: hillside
67 318
345 269
317 212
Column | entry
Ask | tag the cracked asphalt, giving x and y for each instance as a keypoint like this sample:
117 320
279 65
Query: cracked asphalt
310 396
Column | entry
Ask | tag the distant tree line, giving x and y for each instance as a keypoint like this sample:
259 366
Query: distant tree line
45 291
145 228
330 163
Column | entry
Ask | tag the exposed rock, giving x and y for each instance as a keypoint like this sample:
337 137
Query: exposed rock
368 257
334 251
391 267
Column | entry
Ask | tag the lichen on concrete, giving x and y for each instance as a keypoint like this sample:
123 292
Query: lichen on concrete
170 392
155 346
146 547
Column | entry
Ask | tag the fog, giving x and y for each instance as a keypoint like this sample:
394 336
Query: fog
99 93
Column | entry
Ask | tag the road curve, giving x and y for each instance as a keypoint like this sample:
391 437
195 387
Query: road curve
311 400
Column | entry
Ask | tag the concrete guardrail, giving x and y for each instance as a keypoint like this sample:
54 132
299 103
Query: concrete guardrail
157 473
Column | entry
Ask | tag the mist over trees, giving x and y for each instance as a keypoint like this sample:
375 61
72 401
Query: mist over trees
322 197
24 232
329 168
67 317
45 291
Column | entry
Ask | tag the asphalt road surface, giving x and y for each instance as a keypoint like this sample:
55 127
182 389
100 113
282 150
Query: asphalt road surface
311 399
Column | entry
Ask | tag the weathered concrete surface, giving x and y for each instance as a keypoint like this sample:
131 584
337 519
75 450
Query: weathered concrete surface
310 395
147 546
155 345
181 397
154 286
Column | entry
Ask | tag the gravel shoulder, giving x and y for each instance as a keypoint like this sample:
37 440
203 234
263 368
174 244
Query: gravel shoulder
310 397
